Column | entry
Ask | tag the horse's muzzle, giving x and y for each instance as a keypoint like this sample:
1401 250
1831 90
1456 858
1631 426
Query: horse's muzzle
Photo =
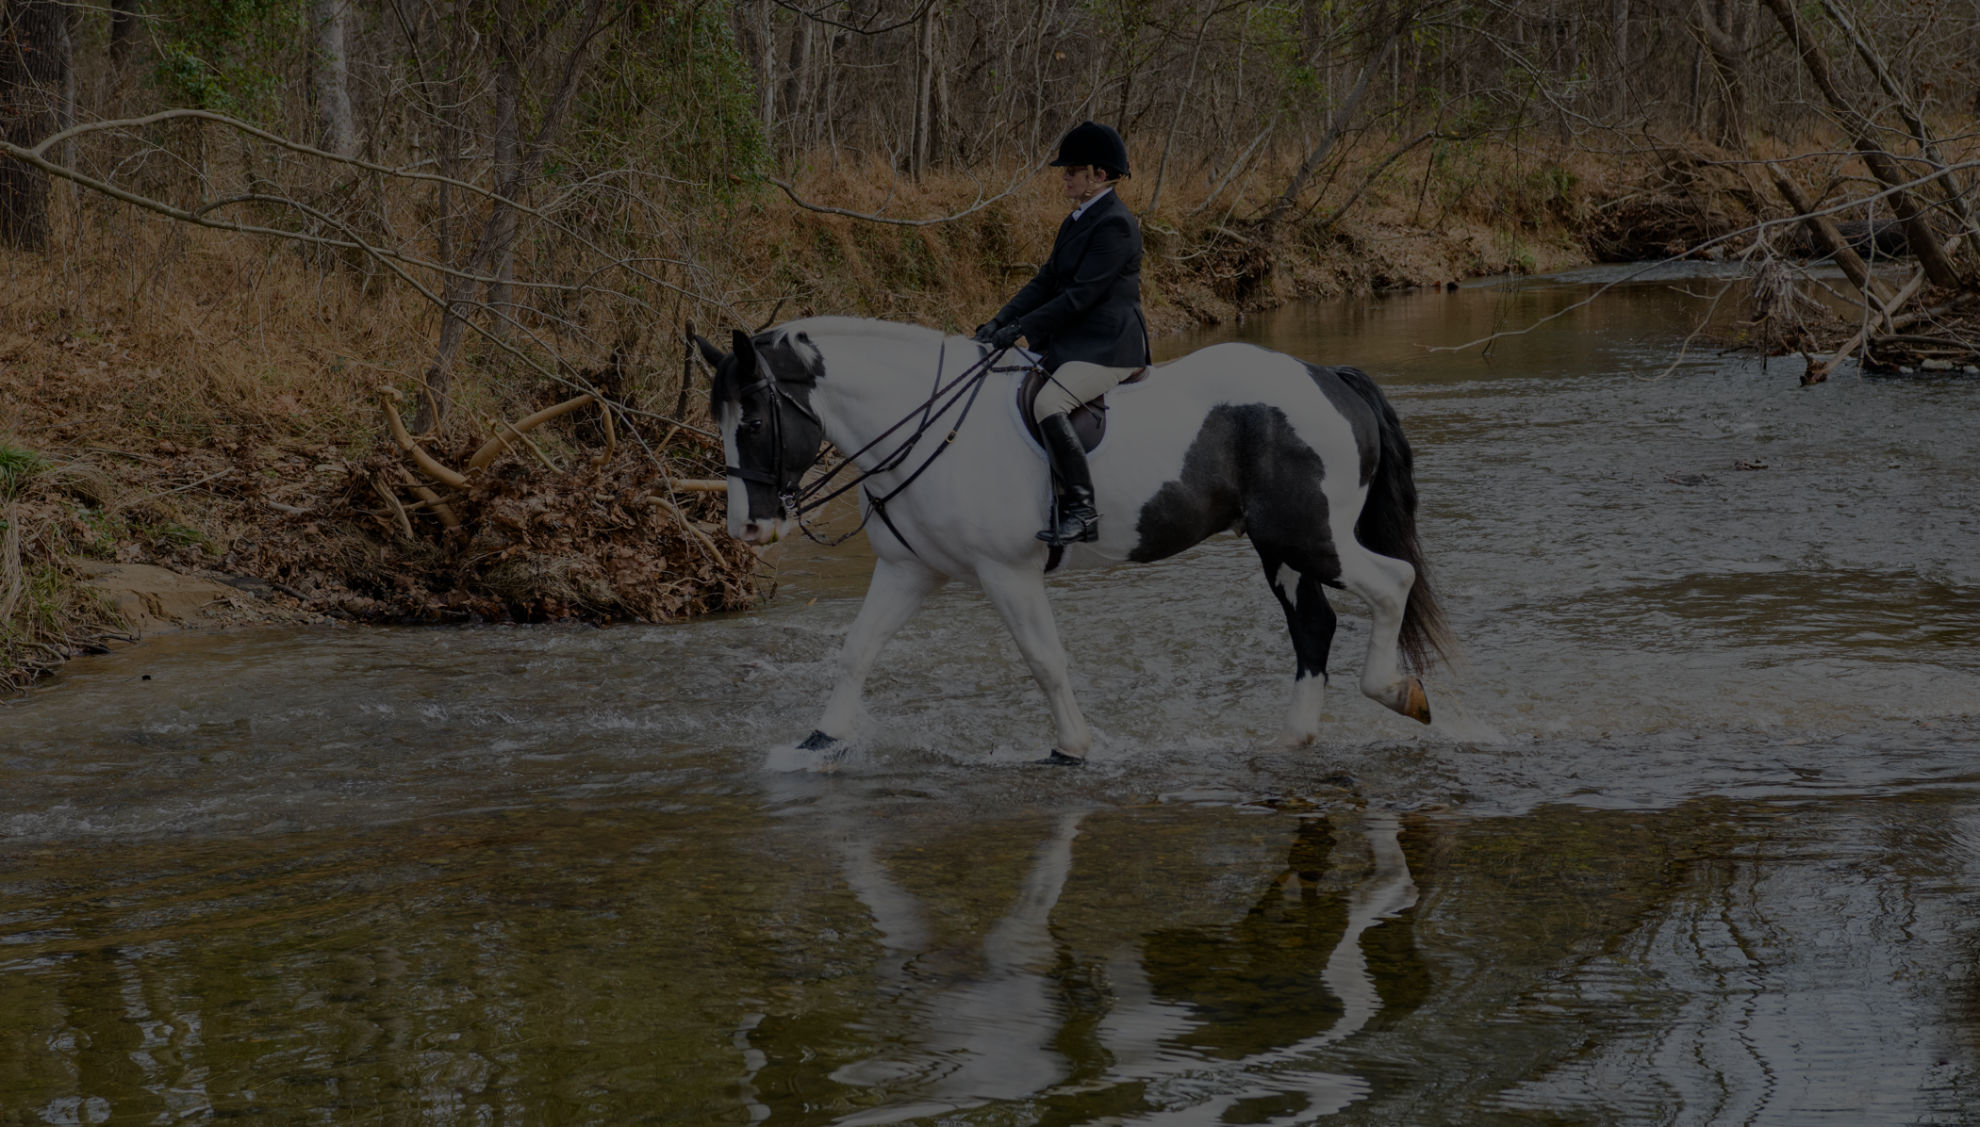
762 531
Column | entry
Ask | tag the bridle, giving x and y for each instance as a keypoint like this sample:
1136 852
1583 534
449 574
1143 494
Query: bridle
776 478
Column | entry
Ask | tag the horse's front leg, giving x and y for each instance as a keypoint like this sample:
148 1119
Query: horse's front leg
1019 595
895 593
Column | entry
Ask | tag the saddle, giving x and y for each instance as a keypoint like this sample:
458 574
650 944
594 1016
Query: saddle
1089 421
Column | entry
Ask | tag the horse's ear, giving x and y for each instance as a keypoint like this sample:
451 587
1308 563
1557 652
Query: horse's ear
708 351
742 344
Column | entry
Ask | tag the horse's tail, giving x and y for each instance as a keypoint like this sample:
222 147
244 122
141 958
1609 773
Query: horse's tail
1388 525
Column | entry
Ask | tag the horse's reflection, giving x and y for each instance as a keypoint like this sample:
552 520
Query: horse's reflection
988 1038
1194 1020
1213 1021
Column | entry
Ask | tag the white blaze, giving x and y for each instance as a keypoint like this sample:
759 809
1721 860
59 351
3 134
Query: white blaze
726 418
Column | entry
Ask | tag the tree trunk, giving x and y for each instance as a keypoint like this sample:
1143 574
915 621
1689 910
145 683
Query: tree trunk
941 136
516 164
337 129
766 53
924 86
1726 48
797 89
34 68
123 29
507 153
1182 102
1619 13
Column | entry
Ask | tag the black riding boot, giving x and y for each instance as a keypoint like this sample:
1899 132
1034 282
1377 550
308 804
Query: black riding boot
1077 519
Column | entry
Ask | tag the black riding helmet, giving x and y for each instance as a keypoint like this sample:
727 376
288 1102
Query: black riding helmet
1090 142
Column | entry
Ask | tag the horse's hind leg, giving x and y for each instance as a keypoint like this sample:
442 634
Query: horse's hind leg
1384 583
895 593
1310 620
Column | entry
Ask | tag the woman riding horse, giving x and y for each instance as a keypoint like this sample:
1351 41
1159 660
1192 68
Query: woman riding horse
1083 304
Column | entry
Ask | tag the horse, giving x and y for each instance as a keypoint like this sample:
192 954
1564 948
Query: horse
1309 462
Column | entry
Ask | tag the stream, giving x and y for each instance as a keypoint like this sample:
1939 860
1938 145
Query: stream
1694 840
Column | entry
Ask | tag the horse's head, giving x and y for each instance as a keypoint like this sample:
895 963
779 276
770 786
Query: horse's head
761 400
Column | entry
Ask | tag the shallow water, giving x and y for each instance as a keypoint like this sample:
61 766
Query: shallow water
1694 839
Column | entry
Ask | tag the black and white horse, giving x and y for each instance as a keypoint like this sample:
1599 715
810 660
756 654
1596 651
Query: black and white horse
1309 462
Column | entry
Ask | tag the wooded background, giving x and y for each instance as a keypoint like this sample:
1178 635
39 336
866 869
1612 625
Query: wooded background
517 161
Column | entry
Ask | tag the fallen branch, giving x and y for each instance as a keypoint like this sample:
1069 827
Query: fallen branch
428 464
392 501
1818 370
972 209
686 524
1831 240
1953 344
440 508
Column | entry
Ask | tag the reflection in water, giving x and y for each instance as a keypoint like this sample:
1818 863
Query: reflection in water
1246 990
1192 1022
988 1037
870 954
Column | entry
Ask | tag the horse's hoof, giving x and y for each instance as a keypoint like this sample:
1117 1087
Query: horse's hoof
1416 705
818 741
1061 759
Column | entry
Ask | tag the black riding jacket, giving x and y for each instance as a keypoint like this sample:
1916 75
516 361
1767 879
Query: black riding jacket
1085 301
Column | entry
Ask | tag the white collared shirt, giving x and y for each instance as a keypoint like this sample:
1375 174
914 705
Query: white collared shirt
1094 199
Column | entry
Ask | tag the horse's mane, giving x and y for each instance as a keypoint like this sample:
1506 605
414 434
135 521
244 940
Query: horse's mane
899 331
793 341
881 350
862 326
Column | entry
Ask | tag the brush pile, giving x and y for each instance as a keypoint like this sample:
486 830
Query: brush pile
516 535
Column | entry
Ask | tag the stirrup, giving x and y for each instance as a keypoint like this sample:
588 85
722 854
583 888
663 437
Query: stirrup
1088 529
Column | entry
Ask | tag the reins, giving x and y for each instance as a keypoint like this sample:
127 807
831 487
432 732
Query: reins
944 398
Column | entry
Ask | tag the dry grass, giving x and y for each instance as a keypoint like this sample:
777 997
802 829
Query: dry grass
45 615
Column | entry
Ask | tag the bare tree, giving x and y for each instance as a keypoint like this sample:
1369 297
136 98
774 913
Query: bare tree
331 20
34 75
124 21
1924 241
516 162
1386 34
1722 28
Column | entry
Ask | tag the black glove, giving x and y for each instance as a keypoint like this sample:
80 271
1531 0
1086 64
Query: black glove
1006 335
984 332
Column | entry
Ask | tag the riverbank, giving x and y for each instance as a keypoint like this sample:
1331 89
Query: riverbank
210 404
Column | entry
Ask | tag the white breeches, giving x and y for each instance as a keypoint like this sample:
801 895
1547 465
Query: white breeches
1075 382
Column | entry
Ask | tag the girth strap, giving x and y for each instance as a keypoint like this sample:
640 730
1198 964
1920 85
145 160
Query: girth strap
879 508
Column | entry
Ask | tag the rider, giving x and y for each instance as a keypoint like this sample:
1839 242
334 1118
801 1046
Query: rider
1083 304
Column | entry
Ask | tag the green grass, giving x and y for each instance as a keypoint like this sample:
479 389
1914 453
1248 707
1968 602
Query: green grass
16 466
